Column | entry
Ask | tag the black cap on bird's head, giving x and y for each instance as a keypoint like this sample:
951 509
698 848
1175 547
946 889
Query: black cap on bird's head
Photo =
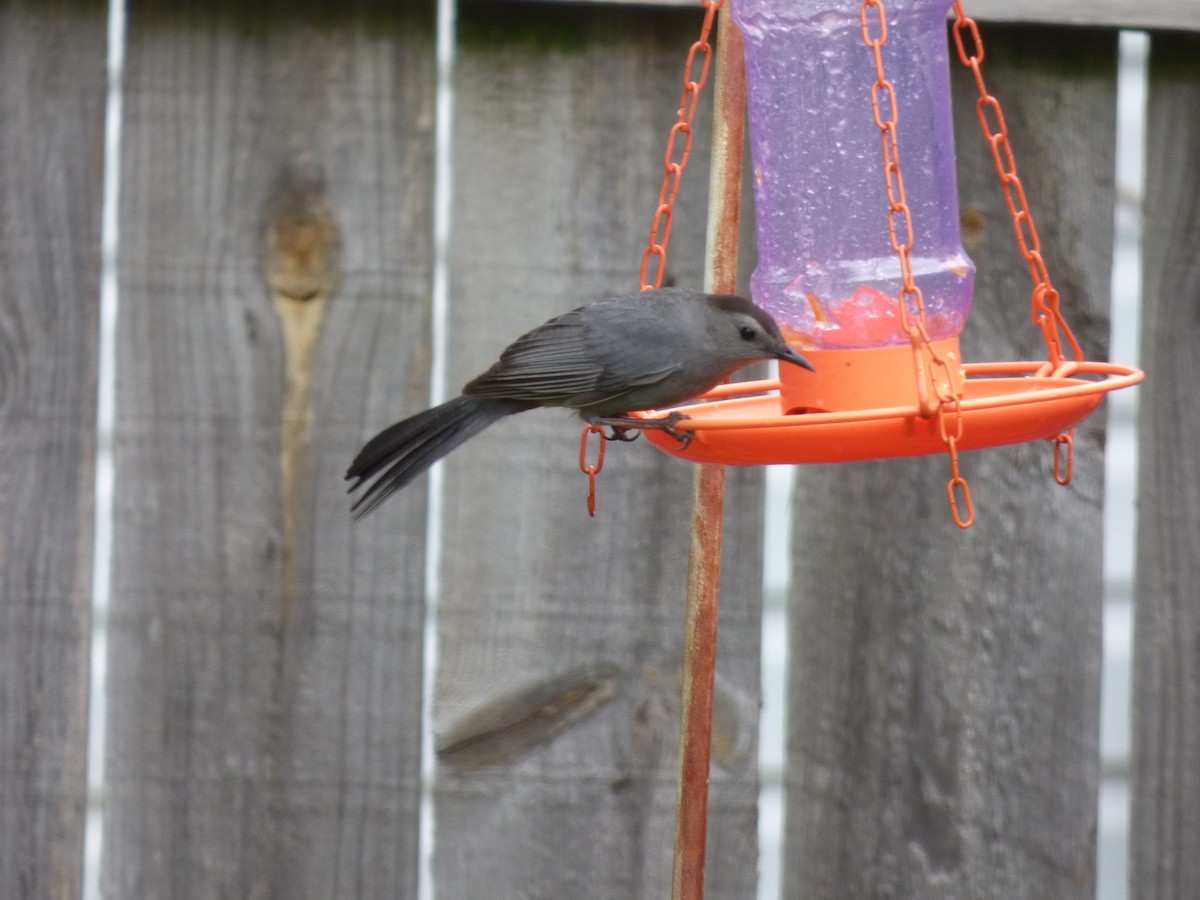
758 330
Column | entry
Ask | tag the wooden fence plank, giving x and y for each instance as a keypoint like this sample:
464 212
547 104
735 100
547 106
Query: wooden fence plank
1166 698
265 662
51 148
944 696
561 119
1181 14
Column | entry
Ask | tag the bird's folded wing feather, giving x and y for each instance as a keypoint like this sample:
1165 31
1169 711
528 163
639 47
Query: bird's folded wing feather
561 364
544 366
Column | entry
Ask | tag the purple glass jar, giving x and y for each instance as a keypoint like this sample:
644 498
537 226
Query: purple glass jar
826 267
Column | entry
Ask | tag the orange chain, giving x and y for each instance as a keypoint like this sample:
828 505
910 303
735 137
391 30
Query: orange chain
911 302
591 470
1045 309
660 229
1046 313
1064 446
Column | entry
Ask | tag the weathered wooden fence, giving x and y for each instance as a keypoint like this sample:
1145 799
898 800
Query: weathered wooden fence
265 654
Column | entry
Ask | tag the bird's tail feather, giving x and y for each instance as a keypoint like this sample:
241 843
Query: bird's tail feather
400 453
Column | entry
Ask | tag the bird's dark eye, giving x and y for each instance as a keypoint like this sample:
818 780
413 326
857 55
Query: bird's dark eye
747 332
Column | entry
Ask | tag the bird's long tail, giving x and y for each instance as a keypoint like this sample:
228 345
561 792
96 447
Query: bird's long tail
400 453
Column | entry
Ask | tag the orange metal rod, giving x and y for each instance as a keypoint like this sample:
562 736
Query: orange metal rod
700 664
708 497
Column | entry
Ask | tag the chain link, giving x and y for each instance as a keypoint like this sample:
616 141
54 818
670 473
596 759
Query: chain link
675 160
591 470
1064 446
1045 309
900 228
1044 305
936 383
957 486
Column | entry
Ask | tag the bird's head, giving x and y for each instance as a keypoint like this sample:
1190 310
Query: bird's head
744 331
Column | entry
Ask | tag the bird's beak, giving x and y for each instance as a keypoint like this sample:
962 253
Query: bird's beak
790 355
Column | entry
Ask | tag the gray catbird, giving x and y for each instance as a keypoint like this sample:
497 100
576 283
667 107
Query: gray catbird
649 350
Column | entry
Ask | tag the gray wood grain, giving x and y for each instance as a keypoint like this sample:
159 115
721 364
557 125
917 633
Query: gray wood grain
944 696
1166 698
1180 14
51 148
265 667
561 119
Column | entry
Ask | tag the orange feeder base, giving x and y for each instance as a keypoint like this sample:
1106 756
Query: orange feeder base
861 404
873 378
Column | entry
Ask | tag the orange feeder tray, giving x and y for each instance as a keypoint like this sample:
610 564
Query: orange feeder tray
860 404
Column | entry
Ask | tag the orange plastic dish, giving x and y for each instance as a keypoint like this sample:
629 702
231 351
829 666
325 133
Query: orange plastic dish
1002 403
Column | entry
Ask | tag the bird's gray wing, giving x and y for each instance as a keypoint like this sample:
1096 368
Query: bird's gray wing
643 357
547 365
578 359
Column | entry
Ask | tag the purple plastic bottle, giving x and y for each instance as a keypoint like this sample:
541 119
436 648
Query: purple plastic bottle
826 268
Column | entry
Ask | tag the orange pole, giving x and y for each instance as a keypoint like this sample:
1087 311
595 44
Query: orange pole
708 495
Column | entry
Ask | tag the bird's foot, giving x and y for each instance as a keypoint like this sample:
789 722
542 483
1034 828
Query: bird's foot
627 428
623 433
620 428
668 424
